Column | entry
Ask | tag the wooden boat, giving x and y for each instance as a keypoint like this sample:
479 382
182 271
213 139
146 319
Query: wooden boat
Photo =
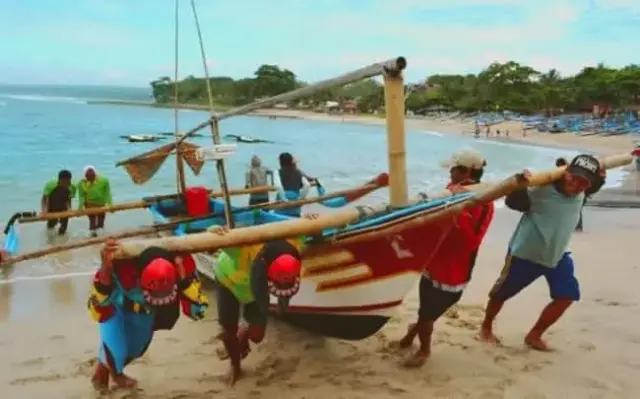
350 288
135 138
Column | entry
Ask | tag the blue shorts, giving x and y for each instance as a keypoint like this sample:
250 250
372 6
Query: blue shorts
519 273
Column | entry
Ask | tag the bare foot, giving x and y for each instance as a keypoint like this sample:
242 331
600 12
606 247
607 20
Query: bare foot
100 379
487 335
124 381
233 375
416 360
536 342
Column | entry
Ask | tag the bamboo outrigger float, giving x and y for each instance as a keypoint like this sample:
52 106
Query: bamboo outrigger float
360 262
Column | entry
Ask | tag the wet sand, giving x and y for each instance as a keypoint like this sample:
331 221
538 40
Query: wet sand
48 341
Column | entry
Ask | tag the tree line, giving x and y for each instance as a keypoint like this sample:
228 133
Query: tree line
499 87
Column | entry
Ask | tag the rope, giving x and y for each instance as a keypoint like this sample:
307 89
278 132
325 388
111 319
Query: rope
204 62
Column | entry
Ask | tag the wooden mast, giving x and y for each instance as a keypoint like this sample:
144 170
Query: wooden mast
179 161
394 109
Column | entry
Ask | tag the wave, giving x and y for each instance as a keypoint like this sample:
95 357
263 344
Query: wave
38 97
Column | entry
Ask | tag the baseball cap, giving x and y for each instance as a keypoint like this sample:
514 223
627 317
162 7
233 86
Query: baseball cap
586 166
469 158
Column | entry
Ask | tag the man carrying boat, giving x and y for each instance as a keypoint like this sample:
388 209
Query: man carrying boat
132 299
291 184
94 191
539 246
246 277
56 197
449 271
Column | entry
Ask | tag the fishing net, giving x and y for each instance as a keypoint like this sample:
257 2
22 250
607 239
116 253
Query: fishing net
143 167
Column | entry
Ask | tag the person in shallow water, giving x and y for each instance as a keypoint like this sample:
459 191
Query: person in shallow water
257 176
538 246
132 299
94 191
246 276
291 184
56 197
449 271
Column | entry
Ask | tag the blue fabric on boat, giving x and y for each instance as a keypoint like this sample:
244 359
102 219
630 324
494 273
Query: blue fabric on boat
289 195
10 244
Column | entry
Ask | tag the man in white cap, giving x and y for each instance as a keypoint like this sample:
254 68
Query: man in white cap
447 274
94 191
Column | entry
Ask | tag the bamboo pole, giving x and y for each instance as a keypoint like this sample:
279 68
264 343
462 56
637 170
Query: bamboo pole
144 203
99 240
391 67
394 110
180 177
175 223
201 242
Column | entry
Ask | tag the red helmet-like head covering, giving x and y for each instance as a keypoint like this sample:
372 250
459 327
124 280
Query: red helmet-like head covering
158 282
284 275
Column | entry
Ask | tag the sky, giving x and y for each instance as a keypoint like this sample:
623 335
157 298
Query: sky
131 42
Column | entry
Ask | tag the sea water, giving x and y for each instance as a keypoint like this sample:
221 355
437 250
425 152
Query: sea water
43 130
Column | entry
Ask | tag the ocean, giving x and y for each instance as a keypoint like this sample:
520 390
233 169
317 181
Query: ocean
45 129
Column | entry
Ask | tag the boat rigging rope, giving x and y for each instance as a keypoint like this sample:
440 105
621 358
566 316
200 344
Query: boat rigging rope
204 63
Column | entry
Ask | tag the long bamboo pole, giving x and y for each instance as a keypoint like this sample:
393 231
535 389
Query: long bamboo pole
175 223
144 203
389 67
394 110
180 177
201 242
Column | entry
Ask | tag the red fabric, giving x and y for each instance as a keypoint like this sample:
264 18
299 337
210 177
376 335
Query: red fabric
636 152
454 259
158 275
284 269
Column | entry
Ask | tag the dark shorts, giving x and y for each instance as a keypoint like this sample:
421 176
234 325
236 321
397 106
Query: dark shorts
64 224
229 310
519 273
434 301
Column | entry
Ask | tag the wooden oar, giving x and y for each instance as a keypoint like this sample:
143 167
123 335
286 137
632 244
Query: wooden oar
201 242
166 226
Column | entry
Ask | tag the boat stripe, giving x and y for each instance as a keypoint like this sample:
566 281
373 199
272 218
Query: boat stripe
341 309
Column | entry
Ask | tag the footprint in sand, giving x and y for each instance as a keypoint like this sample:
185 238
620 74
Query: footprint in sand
33 362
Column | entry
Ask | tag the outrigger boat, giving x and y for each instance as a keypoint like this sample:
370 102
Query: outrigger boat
360 262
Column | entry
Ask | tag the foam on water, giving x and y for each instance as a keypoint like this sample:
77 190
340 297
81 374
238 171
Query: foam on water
28 97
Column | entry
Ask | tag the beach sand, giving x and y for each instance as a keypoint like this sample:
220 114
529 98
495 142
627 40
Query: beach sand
48 351
48 342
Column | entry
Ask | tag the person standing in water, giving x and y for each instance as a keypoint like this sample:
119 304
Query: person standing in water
448 273
539 246
94 191
291 184
257 176
56 197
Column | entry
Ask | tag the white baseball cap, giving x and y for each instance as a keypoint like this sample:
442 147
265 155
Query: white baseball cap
468 157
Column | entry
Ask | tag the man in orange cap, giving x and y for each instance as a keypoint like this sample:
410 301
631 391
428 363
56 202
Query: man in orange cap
246 277
132 299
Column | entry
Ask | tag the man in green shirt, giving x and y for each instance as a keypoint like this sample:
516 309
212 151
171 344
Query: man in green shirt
56 197
94 191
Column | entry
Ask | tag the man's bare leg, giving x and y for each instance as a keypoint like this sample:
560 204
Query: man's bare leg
551 313
424 330
486 330
100 378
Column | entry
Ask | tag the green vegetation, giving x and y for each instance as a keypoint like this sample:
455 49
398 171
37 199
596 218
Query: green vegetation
501 86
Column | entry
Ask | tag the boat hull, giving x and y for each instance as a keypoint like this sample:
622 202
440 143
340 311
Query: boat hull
353 281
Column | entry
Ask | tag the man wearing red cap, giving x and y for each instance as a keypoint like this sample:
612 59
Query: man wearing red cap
132 299
246 277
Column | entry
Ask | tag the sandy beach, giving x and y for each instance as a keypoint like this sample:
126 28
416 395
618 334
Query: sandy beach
48 342
49 352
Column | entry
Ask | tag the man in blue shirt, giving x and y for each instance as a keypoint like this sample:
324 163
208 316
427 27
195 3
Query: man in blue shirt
539 245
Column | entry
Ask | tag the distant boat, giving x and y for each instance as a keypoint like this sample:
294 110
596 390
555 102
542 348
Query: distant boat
180 134
142 138
246 139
